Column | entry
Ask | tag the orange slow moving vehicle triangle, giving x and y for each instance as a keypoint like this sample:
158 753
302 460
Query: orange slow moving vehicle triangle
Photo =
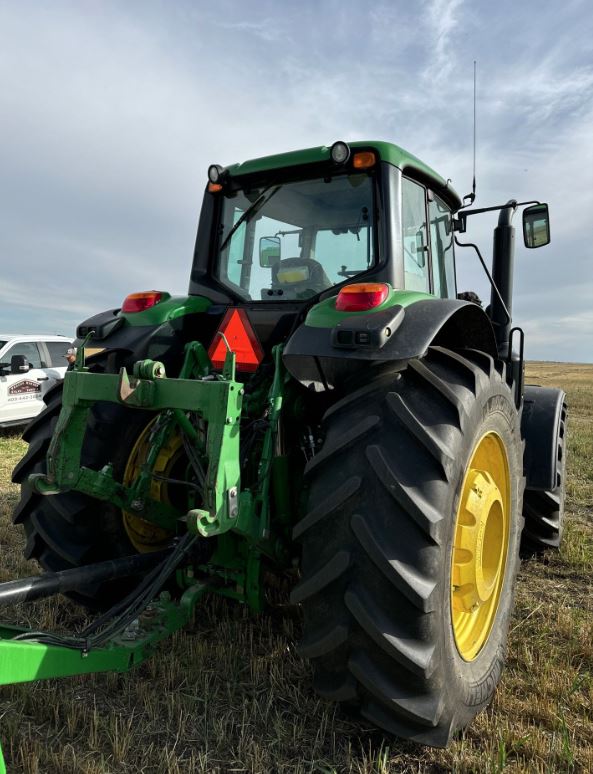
242 341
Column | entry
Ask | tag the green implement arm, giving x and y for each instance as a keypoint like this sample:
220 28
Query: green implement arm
217 400
25 657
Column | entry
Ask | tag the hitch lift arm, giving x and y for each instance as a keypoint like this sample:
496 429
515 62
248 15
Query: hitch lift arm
218 401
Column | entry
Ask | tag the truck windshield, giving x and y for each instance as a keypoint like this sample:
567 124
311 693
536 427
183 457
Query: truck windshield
291 241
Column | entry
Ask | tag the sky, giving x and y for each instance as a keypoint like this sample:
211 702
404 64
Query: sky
111 112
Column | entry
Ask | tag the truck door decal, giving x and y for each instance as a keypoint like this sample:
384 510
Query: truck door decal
23 387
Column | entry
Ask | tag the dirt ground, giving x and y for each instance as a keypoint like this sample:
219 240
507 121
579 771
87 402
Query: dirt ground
231 695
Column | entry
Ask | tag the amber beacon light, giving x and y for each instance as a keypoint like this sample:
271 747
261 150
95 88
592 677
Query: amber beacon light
364 160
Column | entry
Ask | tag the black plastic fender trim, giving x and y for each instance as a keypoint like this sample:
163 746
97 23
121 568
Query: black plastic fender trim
312 357
125 344
540 428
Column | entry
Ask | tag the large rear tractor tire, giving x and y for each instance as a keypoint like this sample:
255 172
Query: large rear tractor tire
544 511
70 529
410 545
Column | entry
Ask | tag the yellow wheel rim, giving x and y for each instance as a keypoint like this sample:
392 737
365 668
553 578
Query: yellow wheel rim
480 547
146 537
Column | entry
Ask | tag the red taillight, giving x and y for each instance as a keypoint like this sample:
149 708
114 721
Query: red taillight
241 339
361 296
138 302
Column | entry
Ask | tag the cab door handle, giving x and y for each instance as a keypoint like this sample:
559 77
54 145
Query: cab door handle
43 378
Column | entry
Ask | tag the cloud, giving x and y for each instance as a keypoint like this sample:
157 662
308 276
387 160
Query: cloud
112 112
267 30
442 21
13 294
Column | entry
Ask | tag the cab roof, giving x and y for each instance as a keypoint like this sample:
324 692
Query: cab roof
387 151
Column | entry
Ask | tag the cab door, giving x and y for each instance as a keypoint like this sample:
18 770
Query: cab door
21 394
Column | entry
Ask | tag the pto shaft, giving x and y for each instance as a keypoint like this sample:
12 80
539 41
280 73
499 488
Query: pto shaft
50 583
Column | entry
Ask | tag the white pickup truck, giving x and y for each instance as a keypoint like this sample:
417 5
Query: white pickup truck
29 366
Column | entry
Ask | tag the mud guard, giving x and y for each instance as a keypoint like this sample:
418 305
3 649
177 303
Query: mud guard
318 358
540 427
164 341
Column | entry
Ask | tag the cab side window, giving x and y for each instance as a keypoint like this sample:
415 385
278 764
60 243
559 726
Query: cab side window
57 352
29 350
415 237
441 240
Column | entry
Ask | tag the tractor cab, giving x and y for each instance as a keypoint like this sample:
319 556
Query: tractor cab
301 225
303 234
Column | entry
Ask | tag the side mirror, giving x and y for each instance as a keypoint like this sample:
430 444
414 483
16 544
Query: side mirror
269 251
19 364
536 226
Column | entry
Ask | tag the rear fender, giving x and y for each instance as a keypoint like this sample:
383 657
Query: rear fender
544 410
160 335
316 358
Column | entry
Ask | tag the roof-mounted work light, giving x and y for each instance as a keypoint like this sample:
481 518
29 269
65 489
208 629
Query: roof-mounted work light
214 173
340 152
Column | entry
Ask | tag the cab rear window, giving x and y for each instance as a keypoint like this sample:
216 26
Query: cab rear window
290 241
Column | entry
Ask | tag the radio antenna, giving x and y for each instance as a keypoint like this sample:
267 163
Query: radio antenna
470 198
474 179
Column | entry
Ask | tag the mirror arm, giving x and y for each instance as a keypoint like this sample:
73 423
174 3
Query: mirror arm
460 223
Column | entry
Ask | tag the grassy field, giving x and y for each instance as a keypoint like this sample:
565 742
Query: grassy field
231 695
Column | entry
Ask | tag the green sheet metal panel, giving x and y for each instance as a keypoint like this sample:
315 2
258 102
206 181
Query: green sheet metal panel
387 151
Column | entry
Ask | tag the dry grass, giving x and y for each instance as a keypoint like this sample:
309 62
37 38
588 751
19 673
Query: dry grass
231 695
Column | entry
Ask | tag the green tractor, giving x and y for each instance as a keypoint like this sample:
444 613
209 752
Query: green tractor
322 406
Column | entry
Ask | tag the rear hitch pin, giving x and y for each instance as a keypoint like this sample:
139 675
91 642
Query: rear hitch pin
232 502
311 440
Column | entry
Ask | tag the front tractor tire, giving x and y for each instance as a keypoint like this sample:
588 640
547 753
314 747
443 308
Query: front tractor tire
70 529
410 545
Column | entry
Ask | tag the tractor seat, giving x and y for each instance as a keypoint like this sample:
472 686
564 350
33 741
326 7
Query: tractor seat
299 277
